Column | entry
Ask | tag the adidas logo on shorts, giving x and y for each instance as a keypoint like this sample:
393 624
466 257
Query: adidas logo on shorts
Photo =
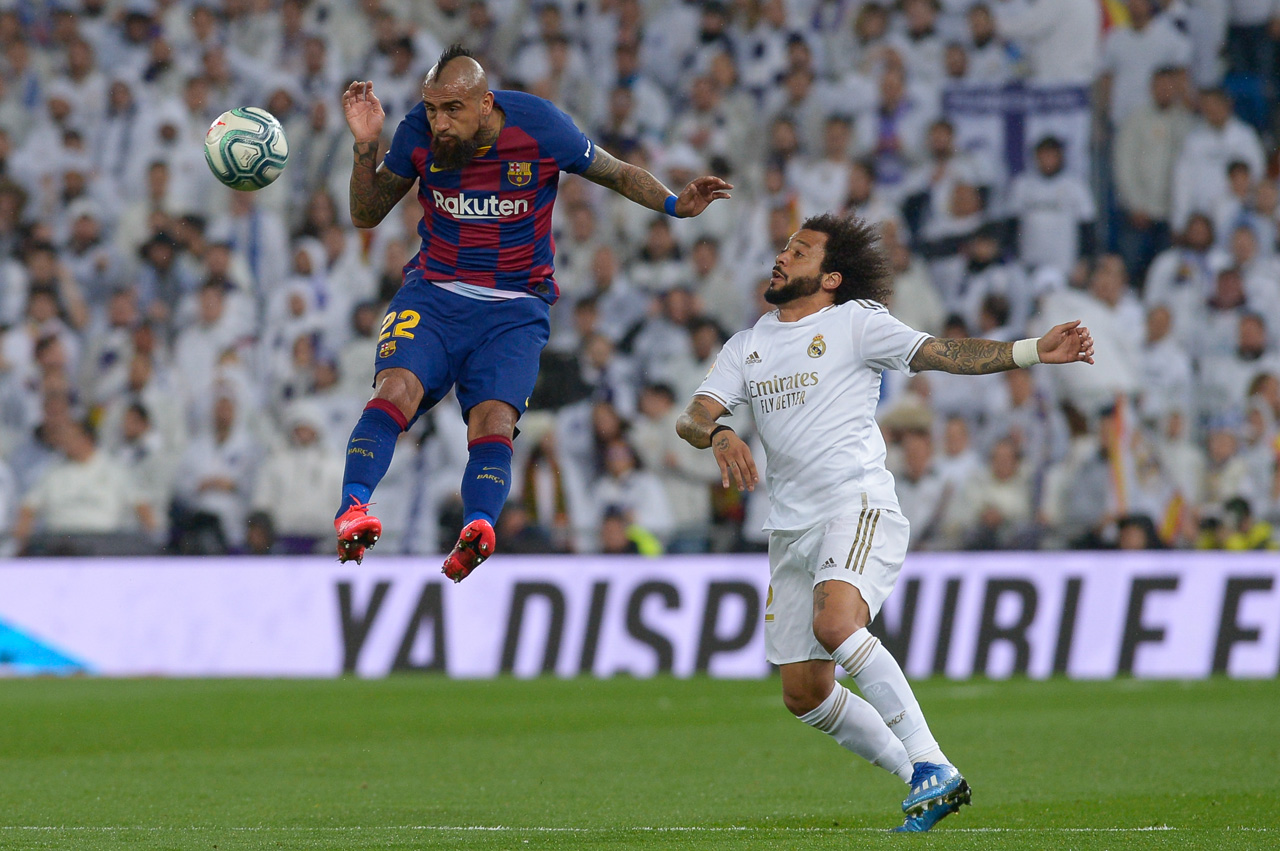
828 563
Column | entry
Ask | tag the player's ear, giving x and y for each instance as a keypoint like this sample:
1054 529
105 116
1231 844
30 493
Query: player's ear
486 104
831 281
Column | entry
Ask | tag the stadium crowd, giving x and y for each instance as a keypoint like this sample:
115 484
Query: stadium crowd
180 363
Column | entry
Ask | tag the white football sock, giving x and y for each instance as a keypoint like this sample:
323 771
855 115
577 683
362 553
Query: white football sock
882 683
853 723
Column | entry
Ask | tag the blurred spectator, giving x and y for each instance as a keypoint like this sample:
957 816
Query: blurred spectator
215 478
1059 40
687 475
1131 54
1137 532
86 494
637 492
1235 528
520 536
1218 139
260 534
1167 373
1147 145
297 483
993 508
1054 210
1111 314
922 492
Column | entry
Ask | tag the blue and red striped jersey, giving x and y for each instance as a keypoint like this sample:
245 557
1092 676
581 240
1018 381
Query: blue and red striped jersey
489 222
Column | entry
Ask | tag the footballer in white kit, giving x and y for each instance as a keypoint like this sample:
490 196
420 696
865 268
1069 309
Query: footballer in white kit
810 373
813 385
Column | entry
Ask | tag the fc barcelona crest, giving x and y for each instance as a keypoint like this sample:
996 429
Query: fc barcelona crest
519 174
817 348
387 349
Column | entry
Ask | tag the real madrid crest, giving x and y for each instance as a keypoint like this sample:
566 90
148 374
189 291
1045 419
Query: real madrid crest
817 348
387 349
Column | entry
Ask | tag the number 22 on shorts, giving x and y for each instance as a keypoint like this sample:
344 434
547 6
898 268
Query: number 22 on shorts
390 327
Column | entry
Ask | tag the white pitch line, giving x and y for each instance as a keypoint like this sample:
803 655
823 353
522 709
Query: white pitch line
593 830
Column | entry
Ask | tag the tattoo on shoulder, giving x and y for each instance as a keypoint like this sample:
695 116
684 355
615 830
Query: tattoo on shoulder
964 357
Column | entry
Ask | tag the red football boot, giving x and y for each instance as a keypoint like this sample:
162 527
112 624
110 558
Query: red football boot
356 531
475 544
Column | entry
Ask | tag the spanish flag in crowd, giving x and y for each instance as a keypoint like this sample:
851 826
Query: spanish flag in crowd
1114 14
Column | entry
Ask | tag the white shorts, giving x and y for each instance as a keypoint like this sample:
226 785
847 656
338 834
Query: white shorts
865 549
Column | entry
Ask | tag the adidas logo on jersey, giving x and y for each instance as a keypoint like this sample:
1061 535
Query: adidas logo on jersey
464 206
753 358
828 563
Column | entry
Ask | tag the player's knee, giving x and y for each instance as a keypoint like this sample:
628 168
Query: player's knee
492 417
401 390
832 626
802 698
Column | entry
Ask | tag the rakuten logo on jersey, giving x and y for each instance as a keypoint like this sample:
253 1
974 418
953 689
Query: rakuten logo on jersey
464 206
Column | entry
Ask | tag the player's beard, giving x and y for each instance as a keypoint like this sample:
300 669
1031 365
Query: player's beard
793 289
450 152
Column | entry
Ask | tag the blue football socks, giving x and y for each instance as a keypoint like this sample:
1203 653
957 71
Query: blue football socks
369 451
487 479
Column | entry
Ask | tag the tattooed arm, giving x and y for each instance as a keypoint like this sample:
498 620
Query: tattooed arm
374 188
646 190
964 357
731 453
1066 343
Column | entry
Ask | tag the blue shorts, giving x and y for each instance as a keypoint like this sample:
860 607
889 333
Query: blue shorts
489 349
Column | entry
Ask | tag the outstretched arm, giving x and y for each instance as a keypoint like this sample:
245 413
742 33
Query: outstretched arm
731 453
635 183
1066 343
374 188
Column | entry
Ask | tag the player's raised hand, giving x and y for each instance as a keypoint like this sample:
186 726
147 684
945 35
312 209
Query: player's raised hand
363 111
699 194
734 458
1066 343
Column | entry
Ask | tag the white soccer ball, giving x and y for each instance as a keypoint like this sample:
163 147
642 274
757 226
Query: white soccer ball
246 148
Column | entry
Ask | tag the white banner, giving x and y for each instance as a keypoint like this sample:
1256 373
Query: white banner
1001 124
1079 614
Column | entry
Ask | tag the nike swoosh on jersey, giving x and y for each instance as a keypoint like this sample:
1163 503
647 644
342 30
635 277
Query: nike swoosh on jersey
435 169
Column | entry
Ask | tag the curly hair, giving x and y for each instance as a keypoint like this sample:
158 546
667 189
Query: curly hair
853 249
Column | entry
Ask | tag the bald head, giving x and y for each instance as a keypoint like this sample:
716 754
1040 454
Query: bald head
458 70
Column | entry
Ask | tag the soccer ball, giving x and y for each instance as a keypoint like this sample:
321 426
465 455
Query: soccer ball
246 148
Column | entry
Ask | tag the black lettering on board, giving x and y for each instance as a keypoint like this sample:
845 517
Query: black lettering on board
1135 631
520 597
638 630
710 642
430 608
355 626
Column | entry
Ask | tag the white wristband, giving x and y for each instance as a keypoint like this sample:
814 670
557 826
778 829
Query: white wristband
1025 352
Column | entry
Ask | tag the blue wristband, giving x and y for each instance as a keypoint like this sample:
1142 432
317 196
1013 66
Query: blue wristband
670 206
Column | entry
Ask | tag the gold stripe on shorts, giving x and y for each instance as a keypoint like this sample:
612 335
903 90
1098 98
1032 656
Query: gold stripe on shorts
871 533
856 536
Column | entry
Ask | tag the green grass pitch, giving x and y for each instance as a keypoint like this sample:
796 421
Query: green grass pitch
421 762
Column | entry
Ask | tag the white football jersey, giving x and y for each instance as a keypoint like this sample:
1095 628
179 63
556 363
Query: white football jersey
813 386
